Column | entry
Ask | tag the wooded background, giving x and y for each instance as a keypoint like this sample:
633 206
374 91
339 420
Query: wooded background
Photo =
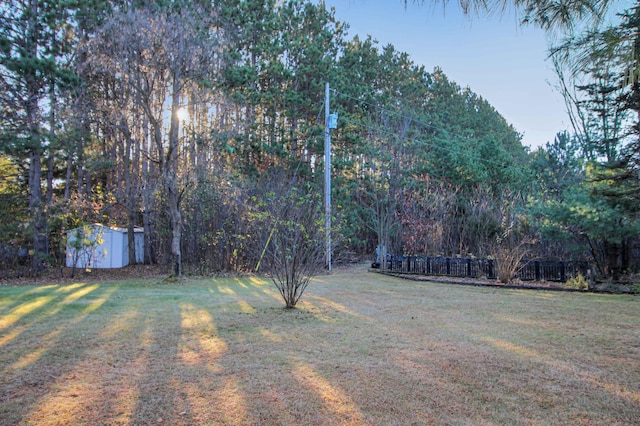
197 120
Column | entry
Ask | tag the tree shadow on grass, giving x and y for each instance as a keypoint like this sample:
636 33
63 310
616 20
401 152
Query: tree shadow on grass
102 354
223 353
43 338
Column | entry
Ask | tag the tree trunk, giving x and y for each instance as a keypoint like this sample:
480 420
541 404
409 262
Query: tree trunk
37 213
129 200
170 180
67 181
613 260
50 167
147 189
176 234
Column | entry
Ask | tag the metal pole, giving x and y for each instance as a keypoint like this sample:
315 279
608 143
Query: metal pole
327 178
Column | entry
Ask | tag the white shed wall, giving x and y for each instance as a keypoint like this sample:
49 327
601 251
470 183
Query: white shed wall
112 253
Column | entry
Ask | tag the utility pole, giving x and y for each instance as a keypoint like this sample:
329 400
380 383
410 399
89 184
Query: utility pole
327 178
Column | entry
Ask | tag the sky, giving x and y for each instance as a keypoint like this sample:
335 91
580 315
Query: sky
496 58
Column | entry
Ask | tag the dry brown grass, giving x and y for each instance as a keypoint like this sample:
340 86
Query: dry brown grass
361 349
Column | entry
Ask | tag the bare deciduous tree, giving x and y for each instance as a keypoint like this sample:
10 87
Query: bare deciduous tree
159 57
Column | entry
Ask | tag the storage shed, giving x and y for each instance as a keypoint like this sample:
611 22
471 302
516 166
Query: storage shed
99 246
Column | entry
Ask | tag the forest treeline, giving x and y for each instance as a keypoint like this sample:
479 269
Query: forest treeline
196 120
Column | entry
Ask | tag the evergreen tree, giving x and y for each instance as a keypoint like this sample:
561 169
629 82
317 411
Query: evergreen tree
35 66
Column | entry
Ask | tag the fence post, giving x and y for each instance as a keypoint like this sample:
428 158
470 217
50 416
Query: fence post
563 275
448 266
490 273
468 267
537 269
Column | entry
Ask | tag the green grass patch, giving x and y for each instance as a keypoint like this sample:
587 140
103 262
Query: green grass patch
360 348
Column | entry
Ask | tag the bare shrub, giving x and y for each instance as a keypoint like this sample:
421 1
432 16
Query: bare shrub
289 238
508 257
511 246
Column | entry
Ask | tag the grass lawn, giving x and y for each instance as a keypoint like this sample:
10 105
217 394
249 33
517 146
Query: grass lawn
361 349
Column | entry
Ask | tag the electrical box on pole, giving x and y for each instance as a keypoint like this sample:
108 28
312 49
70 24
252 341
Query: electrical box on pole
333 121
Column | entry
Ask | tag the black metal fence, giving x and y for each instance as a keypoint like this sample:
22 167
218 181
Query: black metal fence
531 270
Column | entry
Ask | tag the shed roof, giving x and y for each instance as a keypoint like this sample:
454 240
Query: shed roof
136 229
